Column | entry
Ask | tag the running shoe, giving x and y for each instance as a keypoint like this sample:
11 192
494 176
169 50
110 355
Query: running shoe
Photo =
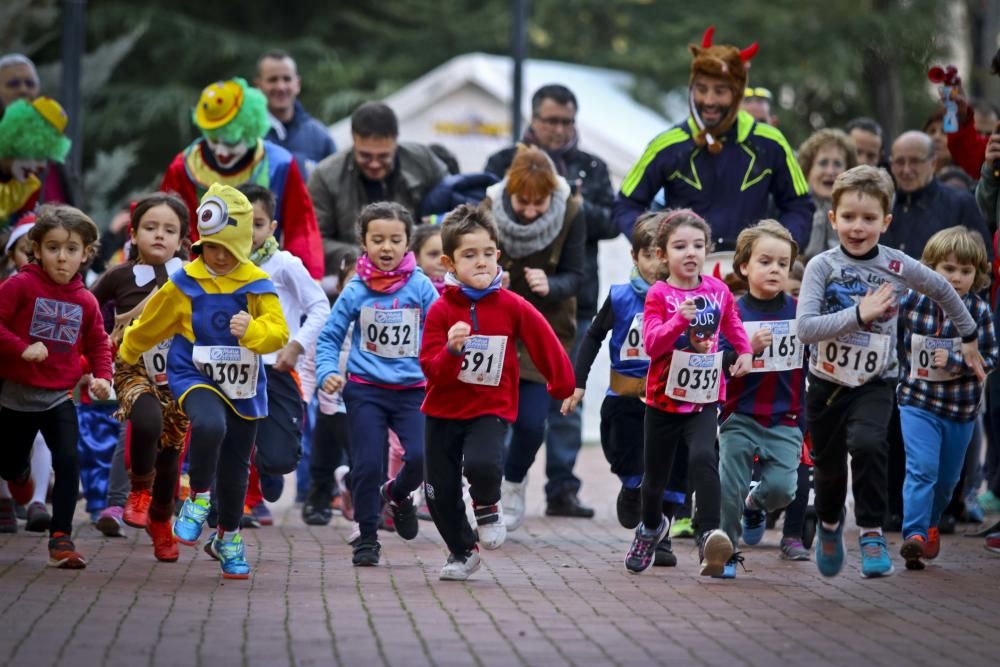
754 522
22 490
344 492
793 549
664 555
164 544
989 502
460 567
830 549
262 513
912 552
271 487
38 518
714 551
63 553
191 520
933 546
404 514
110 521
248 519
875 561
512 499
640 555
8 516
366 551
993 542
729 569
232 556
682 528
137 508
490 526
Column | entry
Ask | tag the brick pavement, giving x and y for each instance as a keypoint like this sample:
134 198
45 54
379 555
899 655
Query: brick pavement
555 594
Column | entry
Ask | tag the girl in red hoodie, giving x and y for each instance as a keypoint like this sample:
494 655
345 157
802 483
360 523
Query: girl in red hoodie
47 320
469 357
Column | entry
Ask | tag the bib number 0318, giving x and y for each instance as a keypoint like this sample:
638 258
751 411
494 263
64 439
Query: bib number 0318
852 359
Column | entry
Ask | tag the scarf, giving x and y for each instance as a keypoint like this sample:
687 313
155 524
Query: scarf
558 155
471 292
265 252
522 239
638 283
386 282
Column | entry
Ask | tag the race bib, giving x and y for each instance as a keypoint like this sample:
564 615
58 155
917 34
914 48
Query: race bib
155 361
482 360
390 333
852 359
922 357
695 378
231 367
633 348
784 353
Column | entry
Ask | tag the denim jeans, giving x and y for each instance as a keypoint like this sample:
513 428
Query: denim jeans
528 430
565 436
935 453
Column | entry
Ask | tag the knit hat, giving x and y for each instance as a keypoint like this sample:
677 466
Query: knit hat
21 227
231 111
721 61
34 130
225 217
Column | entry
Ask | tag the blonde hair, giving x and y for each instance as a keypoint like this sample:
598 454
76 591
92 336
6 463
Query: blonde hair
826 137
868 180
968 248
749 236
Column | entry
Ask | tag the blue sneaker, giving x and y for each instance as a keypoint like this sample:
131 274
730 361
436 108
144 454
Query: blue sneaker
754 523
875 561
232 555
830 549
729 569
190 521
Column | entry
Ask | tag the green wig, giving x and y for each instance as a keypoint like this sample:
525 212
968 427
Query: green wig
26 135
250 123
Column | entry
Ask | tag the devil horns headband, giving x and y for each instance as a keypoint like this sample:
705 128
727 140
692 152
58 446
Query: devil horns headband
745 54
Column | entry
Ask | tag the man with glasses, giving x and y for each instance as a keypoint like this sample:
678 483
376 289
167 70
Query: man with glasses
553 129
923 205
377 167
757 103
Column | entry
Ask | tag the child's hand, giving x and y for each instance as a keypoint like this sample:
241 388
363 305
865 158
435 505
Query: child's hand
239 324
940 358
288 356
538 282
743 365
333 383
100 388
875 304
569 405
973 359
457 335
36 352
760 340
688 310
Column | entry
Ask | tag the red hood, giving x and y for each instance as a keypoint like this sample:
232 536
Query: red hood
72 287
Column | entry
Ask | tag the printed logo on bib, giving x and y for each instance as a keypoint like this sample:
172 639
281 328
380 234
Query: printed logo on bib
232 368
922 349
633 348
852 359
155 361
694 378
784 353
482 360
390 333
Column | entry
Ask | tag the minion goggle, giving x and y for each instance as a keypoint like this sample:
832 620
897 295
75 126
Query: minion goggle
213 216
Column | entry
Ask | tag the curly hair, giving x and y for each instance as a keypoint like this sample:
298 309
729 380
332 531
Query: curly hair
24 133
826 137
251 122
966 245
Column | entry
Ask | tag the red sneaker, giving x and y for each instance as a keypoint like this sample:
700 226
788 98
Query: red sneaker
933 546
63 554
993 542
22 490
137 508
164 544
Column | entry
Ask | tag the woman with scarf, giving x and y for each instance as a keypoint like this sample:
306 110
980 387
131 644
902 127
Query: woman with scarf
542 239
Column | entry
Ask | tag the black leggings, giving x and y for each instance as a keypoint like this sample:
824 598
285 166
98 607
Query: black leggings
61 431
221 442
145 429
795 513
330 447
664 433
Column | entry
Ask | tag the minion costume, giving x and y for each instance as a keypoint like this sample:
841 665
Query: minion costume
232 115
31 133
218 380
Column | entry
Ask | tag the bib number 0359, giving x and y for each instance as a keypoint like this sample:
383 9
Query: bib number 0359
694 378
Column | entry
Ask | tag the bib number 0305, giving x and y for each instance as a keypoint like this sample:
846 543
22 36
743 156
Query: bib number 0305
232 368
390 333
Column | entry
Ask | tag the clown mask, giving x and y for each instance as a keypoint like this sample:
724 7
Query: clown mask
227 155
23 169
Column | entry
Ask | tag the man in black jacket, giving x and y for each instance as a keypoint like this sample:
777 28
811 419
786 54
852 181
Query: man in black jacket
553 129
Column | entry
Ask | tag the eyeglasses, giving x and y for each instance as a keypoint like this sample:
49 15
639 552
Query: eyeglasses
902 162
17 83
381 158
556 121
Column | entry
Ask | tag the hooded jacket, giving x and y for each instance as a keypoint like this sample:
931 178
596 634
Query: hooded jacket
66 318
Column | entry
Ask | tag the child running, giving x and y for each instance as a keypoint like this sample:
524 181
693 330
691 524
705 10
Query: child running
762 415
468 355
939 394
47 320
222 312
847 314
387 301
426 245
682 318
155 426
306 308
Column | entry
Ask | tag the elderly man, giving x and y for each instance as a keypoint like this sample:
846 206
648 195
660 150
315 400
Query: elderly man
377 167
923 205
757 103
292 127
553 129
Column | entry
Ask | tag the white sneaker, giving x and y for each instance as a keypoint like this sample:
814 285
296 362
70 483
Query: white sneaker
457 569
491 527
716 549
512 500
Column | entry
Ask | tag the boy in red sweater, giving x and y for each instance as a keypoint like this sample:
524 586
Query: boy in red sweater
470 360
47 320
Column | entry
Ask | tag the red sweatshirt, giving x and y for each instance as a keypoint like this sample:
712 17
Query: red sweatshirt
504 315
66 318
968 147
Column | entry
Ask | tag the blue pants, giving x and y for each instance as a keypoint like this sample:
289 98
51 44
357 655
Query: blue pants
303 476
371 411
99 431
528 431
565 436
935 452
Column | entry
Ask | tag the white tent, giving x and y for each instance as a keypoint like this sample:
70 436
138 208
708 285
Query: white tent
465 105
